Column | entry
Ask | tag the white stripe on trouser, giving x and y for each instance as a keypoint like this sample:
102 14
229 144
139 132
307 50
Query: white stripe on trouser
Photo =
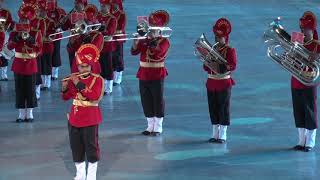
215 131
55 72
158 125
223 132
150 124
81 171
118 77
29 113
38 91
311 138
92 171
302 136
22 114
108 86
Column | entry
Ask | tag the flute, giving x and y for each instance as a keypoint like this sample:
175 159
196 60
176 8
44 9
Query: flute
78 75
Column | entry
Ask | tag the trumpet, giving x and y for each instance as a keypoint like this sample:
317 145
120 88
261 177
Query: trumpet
293 57
143 29
208 54
77 74
80 28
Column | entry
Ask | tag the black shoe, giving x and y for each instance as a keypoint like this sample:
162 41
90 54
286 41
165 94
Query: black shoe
221 141
5 79
107 94
155 134
43 88
19 120
307 149
29 120
298 148
146 133
116 84
54 78
213 140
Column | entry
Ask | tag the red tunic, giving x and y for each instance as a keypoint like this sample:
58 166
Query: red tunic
218 85
85 110
48 46
9 21
152 56
121 24
96 39
296 84
56 16
25 61
111 24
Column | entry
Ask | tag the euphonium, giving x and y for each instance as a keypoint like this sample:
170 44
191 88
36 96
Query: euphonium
209 55
293 57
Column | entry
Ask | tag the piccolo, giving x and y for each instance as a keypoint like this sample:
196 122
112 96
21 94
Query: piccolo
77 74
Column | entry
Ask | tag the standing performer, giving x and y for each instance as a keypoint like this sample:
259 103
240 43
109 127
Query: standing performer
7 26
90 37
304 97
56 14
27 44
152 72
117 56
110 23
219 85
46 58
86 90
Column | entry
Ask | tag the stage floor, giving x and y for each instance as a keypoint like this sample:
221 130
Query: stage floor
262 130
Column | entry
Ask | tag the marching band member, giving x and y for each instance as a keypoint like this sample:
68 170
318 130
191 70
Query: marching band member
27 44
110 24
152 72
8 26
57 14
91 37
304 97
117 55
86 91
48 46
219 87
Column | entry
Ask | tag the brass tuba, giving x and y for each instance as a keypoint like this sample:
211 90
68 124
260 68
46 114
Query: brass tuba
208 55
293 57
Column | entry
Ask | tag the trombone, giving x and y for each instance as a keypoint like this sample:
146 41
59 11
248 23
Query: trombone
143 29
80 28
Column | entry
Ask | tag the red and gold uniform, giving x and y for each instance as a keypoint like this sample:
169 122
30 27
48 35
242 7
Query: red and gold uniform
25 62
110 24
118 61
152 72
92 37
85 115
8 26
56 13
304 97
219 86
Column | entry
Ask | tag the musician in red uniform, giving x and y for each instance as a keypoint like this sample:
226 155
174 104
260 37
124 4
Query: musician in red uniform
56 13
304 97
8 26
219 84
110 24
48 46
27 44
86 91
91 37
117 56
152 72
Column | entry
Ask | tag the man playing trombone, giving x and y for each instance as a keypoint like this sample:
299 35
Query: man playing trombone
153 52
28 45
219 82
304 97
110 24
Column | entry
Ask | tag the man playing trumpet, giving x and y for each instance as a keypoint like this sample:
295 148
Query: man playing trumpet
153 52
219 87
86 89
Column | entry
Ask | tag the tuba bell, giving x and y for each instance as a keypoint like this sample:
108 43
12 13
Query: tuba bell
209 55
293 57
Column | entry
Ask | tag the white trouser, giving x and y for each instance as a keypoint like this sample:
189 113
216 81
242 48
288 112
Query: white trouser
302 136
108 86
150 124
38 91
92 171
81 171
311 138
4 74
29 113
117 77
55 72
46 81
223 132
215 131
158 124
22 114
